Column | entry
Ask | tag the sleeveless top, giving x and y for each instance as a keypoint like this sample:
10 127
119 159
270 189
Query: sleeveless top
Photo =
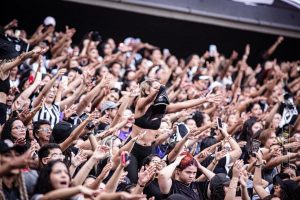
152 118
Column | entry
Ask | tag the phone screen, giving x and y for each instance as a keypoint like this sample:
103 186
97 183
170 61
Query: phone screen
255 145
219 123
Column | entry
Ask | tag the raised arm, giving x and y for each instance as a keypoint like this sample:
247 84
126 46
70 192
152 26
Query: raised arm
71 99
274 46
66 193
144 101
236 151
179 146
27 92
257 179
165 176
100 153
127 101
91 95
237 167
112 184
76 132
19 60
47 87
191 103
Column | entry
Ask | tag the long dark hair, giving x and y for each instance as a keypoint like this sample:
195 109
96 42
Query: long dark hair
43 184
6 131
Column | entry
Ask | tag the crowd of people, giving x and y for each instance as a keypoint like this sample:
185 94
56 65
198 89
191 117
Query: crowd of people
105 120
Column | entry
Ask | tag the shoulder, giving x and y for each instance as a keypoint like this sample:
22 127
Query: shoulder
36 197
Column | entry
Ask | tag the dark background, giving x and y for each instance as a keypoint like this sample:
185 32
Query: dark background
181 37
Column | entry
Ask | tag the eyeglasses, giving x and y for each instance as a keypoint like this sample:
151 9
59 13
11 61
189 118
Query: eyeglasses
20 127
45 129
57 156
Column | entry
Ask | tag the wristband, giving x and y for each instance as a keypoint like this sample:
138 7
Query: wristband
215 162
258 165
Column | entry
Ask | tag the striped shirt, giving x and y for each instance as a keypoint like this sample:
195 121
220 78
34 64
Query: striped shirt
51 114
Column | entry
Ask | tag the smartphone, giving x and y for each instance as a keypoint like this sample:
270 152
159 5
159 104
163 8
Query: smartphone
255 146
182 129
124 157
212 50
219 122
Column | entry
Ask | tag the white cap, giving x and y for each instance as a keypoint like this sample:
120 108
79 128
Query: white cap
49 21
215 84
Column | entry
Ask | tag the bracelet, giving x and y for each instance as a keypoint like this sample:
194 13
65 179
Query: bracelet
258 165
232 188
215 162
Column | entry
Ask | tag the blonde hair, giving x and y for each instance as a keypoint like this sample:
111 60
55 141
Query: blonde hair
145 85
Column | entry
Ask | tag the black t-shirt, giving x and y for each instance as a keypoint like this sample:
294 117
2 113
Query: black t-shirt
153 190
192 191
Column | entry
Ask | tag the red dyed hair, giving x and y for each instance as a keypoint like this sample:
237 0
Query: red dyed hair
187 161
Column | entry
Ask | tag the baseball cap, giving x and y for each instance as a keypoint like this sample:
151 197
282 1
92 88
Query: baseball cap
108 105
7 145
62 130
49 21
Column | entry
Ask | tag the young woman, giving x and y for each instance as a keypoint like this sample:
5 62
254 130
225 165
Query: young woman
54 183
15 130
150 108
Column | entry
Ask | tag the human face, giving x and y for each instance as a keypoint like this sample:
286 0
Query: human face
51 95
172 61
232 119
14 71
187 176
116 69
156 55
103 71
94 53
71 76
277 190
54 154
113 96
44 132
59 176
127 114
191 124
164 127
256 127
182 96
154 161
154 86
256 110
107 49
290 172
276 120
18 130
271 140
112 112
